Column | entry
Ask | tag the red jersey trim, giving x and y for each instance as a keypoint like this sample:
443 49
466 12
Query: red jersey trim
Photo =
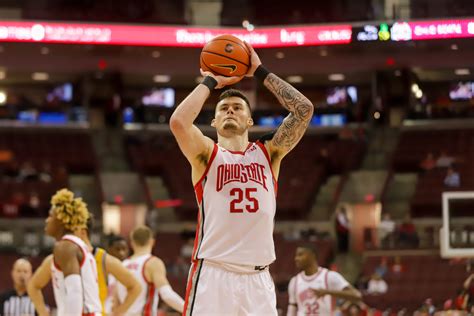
239 152
209 163
265 152
149 300
143 269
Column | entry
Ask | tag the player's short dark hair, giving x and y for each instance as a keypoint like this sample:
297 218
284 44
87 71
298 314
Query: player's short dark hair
311 247
141 235
234 93
115 238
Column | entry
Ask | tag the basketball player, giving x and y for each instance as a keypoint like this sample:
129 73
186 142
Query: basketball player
235 183
151 273
73 268
311 291
106 266
117 247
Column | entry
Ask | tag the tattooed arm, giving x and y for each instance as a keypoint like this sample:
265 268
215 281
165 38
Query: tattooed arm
293 127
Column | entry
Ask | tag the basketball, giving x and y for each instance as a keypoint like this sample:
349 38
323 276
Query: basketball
225 55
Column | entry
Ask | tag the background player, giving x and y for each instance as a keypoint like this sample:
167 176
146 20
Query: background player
235 184
118 248
151 273
74 271
106 266
311 291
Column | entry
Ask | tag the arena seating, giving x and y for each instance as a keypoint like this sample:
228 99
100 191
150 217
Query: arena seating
422 277
413 147
301 175
49 153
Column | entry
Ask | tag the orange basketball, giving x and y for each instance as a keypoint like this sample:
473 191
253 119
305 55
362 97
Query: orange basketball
225 55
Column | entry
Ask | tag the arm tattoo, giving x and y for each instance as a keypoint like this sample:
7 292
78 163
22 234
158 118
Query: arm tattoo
301 112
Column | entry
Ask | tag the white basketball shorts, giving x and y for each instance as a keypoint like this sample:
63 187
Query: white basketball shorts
212 291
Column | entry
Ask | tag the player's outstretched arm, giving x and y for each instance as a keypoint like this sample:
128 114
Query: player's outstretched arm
66 257
124 276
348 293
195 146
38 281
301 109
156 271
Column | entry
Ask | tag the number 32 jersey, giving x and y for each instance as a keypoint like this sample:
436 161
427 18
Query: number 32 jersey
237 203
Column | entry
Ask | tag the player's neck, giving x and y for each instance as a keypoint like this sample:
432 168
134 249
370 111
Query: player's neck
137 252
234 143
311 270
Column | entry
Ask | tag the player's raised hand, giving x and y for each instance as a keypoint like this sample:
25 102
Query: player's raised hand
254 60
222 81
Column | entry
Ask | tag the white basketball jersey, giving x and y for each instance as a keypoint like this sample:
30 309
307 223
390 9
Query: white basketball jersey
237 202
147 302
300 292
109 300
90 285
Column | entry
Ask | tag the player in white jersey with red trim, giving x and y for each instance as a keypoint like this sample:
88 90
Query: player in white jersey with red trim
150 271
107 265
313 291
235 183
74 271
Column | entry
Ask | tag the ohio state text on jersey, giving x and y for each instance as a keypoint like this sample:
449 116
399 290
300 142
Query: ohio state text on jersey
237 203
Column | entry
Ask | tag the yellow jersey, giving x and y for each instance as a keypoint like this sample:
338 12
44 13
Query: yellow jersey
99 255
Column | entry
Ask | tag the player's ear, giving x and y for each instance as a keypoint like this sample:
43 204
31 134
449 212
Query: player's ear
213 123
250 121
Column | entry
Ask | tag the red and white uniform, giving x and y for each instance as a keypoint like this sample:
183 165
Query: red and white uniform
237 203
90 285
234 238
307 303
147 302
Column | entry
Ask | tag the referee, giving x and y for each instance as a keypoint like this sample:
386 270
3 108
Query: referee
16 302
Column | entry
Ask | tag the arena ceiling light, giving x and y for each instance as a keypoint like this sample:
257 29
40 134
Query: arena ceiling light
294 79
3 97
40 76
336 77
462 72
280 55
415 88
44 50
161 78
454 47
155 54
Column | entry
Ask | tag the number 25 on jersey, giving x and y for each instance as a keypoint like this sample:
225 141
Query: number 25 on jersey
243 199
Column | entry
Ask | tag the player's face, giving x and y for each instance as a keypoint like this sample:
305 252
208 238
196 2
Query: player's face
53 225
21 272
232 116
303 258
119 250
